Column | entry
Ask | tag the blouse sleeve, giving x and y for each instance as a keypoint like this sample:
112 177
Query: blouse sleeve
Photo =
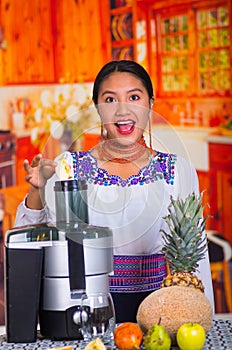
27 216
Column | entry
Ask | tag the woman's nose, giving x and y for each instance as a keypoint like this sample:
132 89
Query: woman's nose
122 108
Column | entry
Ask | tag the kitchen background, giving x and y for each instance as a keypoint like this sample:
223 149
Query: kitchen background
50 52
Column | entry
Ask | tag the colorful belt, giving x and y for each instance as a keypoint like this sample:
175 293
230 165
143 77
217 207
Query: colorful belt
140 273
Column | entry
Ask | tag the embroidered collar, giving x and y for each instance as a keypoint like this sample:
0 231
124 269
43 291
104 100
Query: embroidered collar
161 166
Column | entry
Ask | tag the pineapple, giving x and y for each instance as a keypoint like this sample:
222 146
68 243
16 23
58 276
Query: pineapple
181 298
184 244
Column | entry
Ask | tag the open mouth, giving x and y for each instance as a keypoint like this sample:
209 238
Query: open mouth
125 127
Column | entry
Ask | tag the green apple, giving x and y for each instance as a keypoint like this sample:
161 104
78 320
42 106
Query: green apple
190 336
157 338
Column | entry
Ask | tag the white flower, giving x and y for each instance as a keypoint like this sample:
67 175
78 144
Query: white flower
38 115
80 94
46 98
63 107
66 91
49 118
34 134
72 113
56 129
57 94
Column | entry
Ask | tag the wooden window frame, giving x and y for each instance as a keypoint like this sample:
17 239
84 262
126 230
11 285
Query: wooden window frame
158 13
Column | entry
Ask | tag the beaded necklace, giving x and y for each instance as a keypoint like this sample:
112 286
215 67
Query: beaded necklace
110 149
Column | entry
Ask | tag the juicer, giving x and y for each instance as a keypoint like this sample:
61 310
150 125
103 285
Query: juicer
49 267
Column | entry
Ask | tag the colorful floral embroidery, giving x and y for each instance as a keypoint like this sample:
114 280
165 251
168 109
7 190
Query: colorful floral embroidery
161 166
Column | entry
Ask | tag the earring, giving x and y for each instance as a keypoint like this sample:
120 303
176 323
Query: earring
150 138
152 102
103 135
102 132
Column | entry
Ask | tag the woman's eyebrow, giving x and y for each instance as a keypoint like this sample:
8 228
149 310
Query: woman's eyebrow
114 92
135 90
108 92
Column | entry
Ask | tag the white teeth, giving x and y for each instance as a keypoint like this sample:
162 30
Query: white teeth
125 122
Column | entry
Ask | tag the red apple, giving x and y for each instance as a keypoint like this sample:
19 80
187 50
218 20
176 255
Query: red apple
191 336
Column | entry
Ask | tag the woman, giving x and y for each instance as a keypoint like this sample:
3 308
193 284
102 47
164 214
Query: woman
129 186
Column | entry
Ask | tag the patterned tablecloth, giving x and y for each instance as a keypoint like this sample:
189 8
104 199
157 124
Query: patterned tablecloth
219 338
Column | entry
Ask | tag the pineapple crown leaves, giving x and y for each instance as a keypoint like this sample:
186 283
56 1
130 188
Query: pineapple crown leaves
184 244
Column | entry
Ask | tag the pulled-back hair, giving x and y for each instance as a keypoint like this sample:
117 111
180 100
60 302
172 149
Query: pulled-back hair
126 66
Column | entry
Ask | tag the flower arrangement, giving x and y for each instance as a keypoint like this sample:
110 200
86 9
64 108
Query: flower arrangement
65 110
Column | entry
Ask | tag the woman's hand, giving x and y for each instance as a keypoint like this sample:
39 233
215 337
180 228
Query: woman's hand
39 171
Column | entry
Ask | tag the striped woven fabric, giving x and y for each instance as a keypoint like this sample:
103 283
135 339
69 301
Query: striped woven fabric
137 273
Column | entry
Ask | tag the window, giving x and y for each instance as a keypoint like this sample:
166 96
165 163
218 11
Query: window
175 53
193 51
213 44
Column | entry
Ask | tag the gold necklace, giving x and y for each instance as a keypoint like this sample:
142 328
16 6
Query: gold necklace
110 149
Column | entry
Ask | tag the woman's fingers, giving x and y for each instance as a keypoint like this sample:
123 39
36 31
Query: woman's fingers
34 163
26 165
39 170
36 160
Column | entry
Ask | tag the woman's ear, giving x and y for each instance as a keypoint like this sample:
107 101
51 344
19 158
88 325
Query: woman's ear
152 101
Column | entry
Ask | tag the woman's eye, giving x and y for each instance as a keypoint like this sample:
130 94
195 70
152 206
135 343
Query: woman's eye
110 99
134 97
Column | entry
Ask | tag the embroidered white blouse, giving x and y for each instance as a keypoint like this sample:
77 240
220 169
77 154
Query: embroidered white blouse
133 208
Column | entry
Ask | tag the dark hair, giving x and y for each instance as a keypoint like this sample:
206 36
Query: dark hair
122 66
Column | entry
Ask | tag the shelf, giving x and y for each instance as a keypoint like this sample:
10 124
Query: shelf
118 4
122 43
123 53
121 27
127 31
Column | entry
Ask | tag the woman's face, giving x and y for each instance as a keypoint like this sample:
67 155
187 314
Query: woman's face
124 106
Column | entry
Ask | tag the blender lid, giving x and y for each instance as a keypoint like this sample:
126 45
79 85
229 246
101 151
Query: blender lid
70 185
34 233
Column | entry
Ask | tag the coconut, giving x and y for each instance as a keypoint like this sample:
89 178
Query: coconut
173 306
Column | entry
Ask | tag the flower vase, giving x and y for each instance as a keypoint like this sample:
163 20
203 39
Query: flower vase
66 140
67 143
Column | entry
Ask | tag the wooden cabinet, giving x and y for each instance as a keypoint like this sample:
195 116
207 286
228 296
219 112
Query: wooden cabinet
6 176
177 42
28 56
221 188
45 41
7 159
78 42
11 198
191 38
24 150
125 29
185 46
204 187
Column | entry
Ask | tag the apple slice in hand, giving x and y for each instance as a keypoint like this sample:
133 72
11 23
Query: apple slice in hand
64 168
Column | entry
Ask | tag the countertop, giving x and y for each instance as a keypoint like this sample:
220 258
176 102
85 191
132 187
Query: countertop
217 317
219 139
219 338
